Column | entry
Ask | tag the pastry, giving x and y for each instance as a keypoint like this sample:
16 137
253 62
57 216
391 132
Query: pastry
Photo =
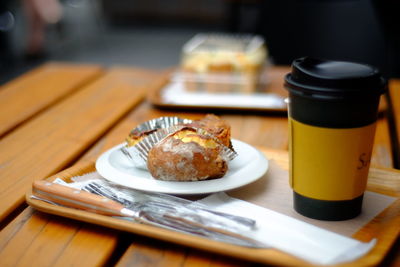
187 155
215 126
224 54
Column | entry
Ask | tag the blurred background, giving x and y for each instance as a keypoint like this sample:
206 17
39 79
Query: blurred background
151 33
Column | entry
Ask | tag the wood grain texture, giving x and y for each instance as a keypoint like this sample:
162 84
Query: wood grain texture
382 152
38 239
84 244
36 90
59 135
148 252
78 199
394 117
26 240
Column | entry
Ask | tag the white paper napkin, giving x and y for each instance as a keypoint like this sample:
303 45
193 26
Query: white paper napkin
292 236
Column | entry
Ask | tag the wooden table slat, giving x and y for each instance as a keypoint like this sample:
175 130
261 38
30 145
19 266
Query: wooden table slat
36 239
382 152
147 253
394 97
59 135
36 90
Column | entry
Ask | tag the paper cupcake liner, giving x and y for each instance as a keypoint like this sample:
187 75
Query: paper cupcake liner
147 143
132 153
159 123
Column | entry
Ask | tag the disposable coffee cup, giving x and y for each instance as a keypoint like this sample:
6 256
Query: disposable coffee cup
333 108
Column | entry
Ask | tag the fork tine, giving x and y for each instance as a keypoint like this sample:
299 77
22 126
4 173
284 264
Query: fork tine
106 192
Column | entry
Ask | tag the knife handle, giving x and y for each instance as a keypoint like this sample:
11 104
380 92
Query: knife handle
75 198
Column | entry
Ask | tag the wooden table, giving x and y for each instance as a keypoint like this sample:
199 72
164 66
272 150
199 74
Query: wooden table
59 115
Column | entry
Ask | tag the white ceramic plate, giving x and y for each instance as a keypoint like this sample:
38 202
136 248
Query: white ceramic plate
247 167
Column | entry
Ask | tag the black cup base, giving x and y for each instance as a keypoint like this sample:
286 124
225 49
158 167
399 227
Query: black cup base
327 210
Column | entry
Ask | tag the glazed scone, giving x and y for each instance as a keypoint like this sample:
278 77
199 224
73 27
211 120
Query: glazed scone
186 156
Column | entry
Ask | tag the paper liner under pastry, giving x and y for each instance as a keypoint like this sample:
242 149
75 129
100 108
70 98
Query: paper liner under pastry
159 123
132 153
137 154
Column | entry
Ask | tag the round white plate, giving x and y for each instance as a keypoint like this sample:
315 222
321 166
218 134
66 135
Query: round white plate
247 167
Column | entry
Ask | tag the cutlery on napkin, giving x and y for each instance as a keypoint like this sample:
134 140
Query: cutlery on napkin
152 213
274 230
279 231
190 209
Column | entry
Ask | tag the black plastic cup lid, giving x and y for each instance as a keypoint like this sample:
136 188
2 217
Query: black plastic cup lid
330 79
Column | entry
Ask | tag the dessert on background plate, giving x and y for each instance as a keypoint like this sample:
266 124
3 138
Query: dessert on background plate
224 53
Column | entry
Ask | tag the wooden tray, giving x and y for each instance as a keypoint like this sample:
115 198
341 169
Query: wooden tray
384 227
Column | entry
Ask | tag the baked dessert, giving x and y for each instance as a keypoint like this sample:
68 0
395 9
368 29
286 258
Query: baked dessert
187 155
223 63
175 149
215 126
219 53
